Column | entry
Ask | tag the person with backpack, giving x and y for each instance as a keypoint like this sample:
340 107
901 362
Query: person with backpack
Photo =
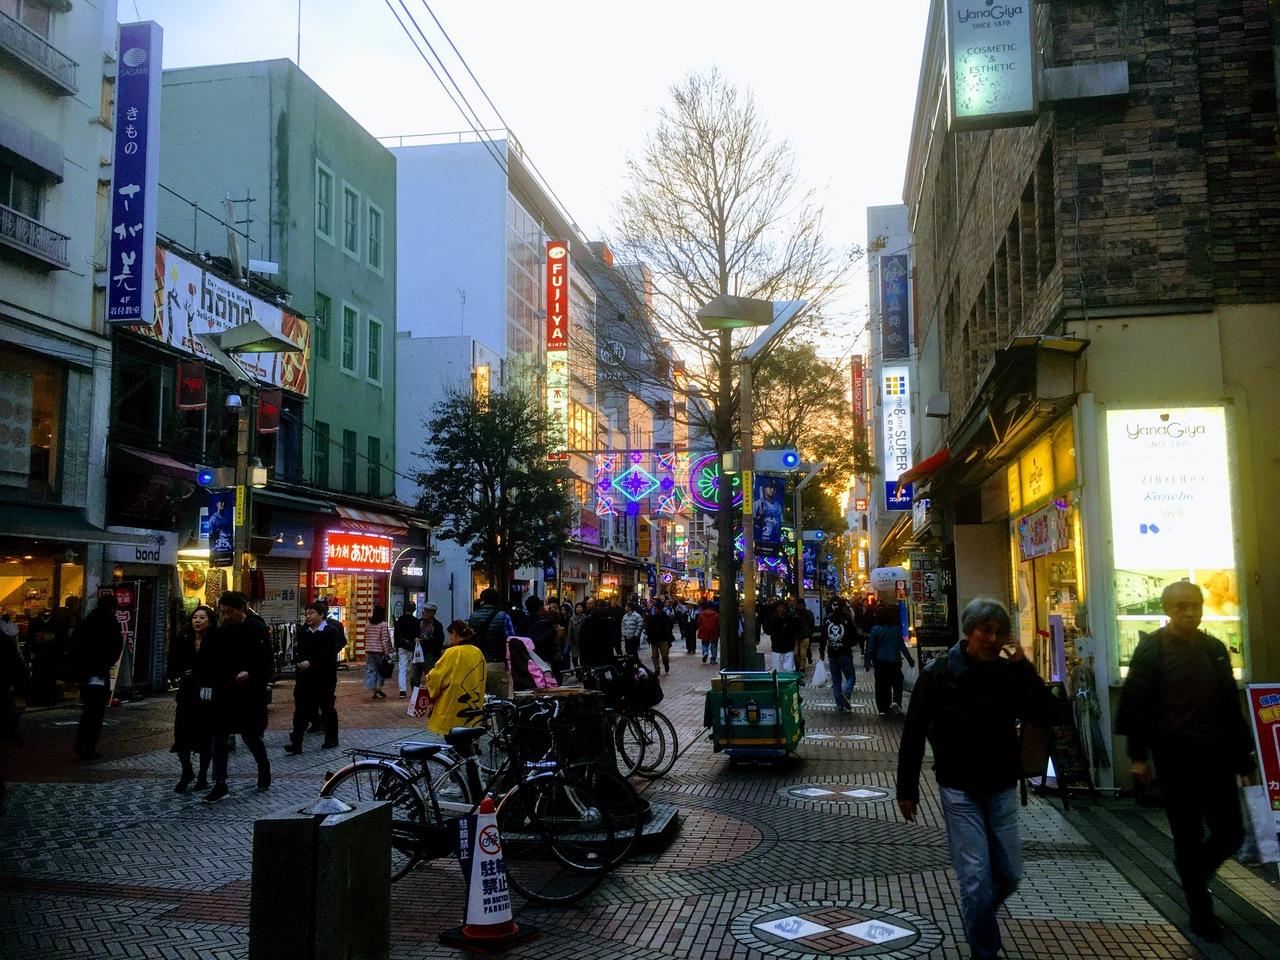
841 638
492 626
885 651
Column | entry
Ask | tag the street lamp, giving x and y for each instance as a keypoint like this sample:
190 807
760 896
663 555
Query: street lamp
250 337
725 314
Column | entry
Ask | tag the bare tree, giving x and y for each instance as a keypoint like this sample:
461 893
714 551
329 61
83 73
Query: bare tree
712 205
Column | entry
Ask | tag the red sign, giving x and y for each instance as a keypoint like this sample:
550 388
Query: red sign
191 385
1264 716
859 396
357 552
557 295
860 504
269 411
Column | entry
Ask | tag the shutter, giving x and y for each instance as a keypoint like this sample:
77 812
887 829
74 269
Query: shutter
284 599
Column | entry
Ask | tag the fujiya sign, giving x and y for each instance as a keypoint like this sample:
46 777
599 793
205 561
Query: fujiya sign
558 347
991 79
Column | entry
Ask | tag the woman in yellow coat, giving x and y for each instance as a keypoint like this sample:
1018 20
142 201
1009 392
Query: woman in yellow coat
456 682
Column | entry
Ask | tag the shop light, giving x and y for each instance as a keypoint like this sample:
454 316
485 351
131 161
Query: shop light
299 542
279 538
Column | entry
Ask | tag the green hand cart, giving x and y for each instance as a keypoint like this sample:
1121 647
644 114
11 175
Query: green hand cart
754 714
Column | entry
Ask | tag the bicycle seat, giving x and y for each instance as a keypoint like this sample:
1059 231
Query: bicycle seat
461 737
416 749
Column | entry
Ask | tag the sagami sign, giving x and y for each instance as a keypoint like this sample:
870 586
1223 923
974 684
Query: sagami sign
357 552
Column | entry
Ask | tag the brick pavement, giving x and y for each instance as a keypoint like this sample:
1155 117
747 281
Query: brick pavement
792 861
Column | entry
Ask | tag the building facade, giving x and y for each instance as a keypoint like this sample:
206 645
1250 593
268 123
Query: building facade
57 69
1100 286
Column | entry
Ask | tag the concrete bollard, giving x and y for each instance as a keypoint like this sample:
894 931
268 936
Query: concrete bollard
321 886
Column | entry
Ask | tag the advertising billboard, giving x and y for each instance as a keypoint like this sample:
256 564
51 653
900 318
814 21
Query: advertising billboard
135 172
992 77
769 495
558 348
859 396
222 528
895 398
895 306
354 552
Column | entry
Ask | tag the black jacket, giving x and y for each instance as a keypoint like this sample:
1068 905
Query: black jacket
658 627
228 651
969 713
408 628
1138 716
432 640
596 639
99 643
782 633
319 648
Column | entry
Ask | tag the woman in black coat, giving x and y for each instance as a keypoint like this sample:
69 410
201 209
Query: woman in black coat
190 666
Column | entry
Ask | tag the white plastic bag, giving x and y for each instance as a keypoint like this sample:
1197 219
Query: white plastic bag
820 678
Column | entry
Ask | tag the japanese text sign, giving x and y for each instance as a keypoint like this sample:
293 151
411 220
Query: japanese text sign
357 552
895 397
134 174
895 306
558 347
1264 717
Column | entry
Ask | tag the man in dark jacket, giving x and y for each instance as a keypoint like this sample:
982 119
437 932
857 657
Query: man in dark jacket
596 644
1180 703
782 628
316 654
99 643
405 636
968 705
492 626
242 665
661 633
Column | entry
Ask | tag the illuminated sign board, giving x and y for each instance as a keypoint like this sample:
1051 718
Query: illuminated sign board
357 552
558 347
895 398
895 307
859 397
991 78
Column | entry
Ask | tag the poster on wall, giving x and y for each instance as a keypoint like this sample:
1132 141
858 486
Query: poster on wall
1169 473
222 528
1264 718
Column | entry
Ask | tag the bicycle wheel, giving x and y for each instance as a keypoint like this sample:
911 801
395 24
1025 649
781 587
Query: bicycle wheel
627 812
662 744
630 744
367 780
557 840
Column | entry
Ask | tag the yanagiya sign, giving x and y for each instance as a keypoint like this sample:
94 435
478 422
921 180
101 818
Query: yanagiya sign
991 73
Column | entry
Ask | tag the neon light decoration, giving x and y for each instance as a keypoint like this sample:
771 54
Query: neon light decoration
704 482
605 507
667 462
636 483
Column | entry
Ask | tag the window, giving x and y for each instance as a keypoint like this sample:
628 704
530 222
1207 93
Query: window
320 456
375 237
34 16
350 221
323 321
19 191
349 461
350 326
662 410
107 106
375 466
32 391
324 201
373 352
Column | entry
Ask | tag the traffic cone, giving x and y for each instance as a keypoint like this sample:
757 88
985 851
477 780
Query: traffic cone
487 925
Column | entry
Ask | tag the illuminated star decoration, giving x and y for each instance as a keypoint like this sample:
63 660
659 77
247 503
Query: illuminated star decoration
704 482
636 483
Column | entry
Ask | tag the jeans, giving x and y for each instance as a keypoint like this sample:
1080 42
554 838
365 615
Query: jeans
95 700
842 679
1200 795
889 682
711 648
403 659
784 661
372 677
982 833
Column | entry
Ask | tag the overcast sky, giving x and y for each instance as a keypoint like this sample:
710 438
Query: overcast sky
579 82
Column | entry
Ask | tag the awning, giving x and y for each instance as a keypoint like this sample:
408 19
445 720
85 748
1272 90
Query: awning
925 467
291 501
370 519
40 522
151 461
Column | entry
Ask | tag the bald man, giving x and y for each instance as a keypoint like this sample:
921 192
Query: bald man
1180 704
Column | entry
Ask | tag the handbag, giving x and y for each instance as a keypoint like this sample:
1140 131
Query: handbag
419 703
384 668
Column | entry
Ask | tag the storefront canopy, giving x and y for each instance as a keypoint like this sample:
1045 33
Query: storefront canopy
40 522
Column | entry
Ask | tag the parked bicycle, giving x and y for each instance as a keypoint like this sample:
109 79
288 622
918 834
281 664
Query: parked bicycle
563 827
645 739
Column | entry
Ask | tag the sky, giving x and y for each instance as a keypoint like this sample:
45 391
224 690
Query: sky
579 82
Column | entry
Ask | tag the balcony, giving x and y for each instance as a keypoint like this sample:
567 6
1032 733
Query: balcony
55 70
33 239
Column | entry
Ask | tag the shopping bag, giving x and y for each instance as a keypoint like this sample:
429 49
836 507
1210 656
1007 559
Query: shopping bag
417 654
419 703
820 678
1260 841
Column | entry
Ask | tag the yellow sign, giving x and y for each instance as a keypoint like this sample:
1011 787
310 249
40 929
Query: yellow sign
241 516
1015 488
1036 467
747 492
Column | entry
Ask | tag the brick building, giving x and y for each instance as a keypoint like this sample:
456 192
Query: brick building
1096 296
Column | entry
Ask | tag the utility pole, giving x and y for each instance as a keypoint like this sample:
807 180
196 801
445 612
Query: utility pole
730 655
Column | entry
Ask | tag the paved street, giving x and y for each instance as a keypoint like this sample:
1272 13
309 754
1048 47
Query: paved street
807 861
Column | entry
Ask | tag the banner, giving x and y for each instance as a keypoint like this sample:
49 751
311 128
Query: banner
895 396
222 528
1264 717
895 307
135 172
190 300
192 389
859 397
558 348
767 504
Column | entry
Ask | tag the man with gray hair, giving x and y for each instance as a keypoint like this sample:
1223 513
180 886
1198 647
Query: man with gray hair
1180 702
968 704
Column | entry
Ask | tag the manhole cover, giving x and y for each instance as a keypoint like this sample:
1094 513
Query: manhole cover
811 929
835 793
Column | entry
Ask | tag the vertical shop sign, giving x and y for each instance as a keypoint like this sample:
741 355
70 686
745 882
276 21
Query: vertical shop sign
269 402
192 390
558 348
895 397
895 307
992 80
222 527
1264 717
131 253
859 397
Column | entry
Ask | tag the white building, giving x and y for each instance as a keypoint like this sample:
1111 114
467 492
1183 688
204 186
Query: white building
57 69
